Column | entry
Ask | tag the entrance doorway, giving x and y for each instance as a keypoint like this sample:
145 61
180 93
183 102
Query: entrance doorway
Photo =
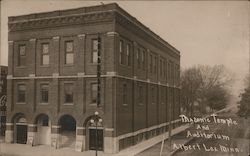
43 130
21 131
95 139
68 131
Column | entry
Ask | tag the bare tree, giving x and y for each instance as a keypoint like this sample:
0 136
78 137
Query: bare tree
199 83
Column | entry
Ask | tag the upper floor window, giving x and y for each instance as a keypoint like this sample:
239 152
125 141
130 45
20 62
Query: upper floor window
153 95
124 94
94 50
151 63
155 64
44 93
138 55
140 97
68 93
128 54
22 55
143 59
160 67
21 93
69 52
93 93
45 54
121 52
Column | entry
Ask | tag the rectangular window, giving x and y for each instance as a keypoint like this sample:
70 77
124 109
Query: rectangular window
128 54
124 94
21 93
153 95
138 55
143 59
160 67
45 54
151 63
44 93
69 52
140 97
93 93
155 64
68 93
94 50
121 52
22 55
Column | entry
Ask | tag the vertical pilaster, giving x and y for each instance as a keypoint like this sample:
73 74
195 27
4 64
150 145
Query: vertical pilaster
32 93
110 51
32 135
9 133
55 136
55 55
11 58
80 54
80 139
32 56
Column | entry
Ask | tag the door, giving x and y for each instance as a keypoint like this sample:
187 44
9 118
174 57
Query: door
21 134
96 139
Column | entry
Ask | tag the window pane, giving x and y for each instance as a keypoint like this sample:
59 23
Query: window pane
45 48
94 44
22 50
68 93
93 93
45 59
94 57
69 46
22 61
69 58
44 93
21 93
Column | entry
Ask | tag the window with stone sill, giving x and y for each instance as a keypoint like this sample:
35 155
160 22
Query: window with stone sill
68 93
93 93
94 50
128 54
21 55
69 53
124 95
44 93
21 93
45 54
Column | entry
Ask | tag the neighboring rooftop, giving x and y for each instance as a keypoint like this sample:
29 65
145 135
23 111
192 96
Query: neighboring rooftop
88 10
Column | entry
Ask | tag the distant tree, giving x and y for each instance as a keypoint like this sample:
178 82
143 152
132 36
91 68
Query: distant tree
205 85
190 83
244 103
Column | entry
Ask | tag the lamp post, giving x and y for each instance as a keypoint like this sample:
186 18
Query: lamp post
95 120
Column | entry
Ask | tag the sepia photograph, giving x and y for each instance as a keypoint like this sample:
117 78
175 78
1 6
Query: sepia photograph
125 78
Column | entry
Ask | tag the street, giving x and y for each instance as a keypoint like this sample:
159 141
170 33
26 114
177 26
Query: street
237 145
209 139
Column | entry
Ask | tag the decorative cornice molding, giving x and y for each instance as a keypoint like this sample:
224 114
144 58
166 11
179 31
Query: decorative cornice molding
56 21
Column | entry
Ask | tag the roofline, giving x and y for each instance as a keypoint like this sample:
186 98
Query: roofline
106 7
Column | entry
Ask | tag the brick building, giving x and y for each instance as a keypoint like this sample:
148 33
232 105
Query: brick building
52 83
3 90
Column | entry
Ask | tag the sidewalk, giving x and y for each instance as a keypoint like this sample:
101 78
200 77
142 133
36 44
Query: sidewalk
45 150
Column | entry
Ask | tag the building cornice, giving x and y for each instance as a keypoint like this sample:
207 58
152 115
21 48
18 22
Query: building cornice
57 21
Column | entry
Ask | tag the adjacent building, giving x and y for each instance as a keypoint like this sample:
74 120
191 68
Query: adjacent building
3 98
52 84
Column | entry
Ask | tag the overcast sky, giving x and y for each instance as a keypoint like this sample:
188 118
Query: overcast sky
207 32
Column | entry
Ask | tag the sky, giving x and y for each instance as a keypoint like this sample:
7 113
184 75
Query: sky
205 32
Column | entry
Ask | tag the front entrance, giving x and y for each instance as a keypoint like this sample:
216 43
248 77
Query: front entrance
95 139
21 131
